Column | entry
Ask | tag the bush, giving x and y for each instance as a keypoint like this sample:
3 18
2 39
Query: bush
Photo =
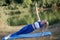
15 21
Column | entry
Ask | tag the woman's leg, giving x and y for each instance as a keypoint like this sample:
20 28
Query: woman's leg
24 30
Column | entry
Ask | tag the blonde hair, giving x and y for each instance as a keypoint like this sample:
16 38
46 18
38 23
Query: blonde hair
45 22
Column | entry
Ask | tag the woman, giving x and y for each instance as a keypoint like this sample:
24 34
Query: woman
30 28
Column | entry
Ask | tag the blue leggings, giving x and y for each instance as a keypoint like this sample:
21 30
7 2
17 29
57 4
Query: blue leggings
24 30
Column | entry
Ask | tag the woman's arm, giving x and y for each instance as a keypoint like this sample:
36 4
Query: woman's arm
45 26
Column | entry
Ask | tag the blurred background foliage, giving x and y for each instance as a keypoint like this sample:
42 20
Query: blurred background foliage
22 12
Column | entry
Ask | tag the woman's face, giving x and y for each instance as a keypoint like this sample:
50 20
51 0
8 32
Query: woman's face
45 23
